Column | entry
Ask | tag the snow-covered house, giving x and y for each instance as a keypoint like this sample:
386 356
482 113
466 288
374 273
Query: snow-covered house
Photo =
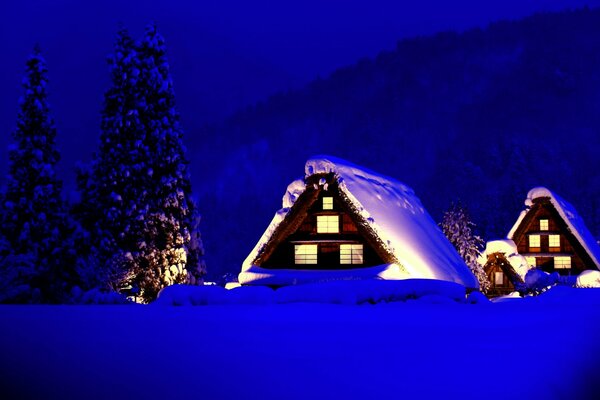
504 266
552 236
342 221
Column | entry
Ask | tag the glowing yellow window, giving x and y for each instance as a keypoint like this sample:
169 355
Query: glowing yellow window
534 240
328 224
327 203
351 254
554 240
543 224
305 253
498 278
562 262
531 261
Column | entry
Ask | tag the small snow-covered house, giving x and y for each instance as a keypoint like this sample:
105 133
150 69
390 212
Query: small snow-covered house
342 222
552 236
504 266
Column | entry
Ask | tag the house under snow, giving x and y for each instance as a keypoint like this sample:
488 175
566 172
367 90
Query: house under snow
552 236
343 222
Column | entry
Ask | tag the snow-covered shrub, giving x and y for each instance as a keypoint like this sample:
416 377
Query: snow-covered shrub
588 279
459 229
538 281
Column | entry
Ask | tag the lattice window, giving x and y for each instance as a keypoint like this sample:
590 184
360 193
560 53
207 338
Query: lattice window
327 203
534 241
305 253
531 261
351 254
554 240
328 224
562 262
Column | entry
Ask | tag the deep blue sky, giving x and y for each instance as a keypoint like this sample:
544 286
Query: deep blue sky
224 54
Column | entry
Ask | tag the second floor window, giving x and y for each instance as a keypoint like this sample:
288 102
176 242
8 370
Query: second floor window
328 224
534 241
554 240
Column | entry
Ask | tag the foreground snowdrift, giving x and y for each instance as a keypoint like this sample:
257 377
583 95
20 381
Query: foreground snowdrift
541 349
335 292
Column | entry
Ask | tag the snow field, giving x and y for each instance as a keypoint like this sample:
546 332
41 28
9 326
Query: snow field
521 349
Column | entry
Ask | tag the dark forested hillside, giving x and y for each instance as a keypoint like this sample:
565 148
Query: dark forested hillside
479 117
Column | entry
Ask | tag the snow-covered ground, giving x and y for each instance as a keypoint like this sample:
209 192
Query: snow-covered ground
547 347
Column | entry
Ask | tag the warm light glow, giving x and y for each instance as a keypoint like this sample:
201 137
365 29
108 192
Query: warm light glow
498 278
328 224
534 241
305 253
327 203
351 254
554 240
531 261
562 262
543 224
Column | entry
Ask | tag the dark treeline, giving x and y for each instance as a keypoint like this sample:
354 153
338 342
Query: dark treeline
480 117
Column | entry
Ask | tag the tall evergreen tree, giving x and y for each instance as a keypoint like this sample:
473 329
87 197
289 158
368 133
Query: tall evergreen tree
110 186
459 229
137 194
172 249
33 218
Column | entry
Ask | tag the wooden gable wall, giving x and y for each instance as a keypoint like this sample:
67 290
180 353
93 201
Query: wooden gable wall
300 228
542 209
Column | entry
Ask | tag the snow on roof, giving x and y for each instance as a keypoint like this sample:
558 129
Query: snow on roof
393 212
568 214
508 248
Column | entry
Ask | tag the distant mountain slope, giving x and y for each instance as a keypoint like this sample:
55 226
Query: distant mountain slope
479 117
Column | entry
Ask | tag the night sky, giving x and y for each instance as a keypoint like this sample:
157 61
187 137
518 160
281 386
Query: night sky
224 55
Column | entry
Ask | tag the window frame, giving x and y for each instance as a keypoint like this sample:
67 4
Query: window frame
352 254
327 203
562 265
544 224
498 274
325 223
550 245
531 241
304 257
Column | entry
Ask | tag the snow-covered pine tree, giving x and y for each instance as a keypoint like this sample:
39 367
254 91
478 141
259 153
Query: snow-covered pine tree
458 228
171 250
136 197
33 218
112 185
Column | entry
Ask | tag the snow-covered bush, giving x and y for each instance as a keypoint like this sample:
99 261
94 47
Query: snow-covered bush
459 229
538 281
588 279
